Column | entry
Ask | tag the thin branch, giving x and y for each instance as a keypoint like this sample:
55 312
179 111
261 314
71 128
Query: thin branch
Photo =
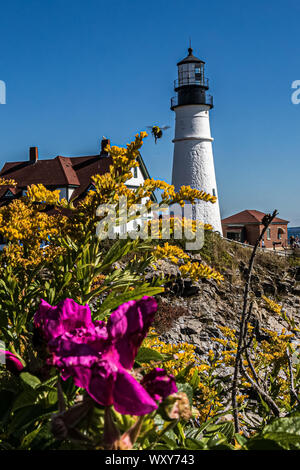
247 319
293 391
267 398
60 397
251 366
266 222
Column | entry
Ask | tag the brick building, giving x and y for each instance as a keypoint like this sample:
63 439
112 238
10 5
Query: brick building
246 226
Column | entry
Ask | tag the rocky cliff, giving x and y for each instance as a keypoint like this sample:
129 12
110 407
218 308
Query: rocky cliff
192 312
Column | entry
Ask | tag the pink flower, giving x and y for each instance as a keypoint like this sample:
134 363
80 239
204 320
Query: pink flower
159 384
129 325
13 364
66 316
98 355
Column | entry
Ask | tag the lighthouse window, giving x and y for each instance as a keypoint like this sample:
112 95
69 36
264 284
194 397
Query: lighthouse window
214 192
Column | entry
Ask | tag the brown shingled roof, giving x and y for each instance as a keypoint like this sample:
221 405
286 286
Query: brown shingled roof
85 168
60 172
250 216
48 172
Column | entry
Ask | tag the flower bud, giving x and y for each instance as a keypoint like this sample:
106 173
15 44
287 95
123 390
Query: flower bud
13 364
177 406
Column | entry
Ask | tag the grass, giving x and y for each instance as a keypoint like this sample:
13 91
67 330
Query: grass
227 256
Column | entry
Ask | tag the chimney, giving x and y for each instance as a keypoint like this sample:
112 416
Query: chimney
104 143
33 154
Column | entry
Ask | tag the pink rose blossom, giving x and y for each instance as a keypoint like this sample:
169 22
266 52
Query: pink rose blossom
13 364
65 316
98 355
159 384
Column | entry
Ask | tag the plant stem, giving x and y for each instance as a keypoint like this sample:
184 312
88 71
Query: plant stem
266 222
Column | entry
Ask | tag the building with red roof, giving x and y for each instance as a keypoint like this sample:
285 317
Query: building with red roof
71 175
246 226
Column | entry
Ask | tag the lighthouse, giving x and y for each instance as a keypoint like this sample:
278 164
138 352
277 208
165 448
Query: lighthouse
193 161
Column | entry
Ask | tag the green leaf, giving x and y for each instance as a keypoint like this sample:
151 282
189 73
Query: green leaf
290 425
40 438
172 444
6 399
284 431
161 447
28 415
146 355
259 443
218 442
113 300
226 428
194 444
195 380
52 397
241 440
29 438
194 433
26 398
117 251
30 379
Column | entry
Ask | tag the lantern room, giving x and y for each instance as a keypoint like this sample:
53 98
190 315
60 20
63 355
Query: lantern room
191 71
191 84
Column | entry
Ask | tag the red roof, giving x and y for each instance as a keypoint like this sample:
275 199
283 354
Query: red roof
85 167
55 172
250 217
58 172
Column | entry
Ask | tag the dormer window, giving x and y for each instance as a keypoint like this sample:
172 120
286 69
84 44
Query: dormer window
90 188
8 194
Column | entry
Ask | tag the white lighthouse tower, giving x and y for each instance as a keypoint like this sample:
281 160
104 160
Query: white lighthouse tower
193 162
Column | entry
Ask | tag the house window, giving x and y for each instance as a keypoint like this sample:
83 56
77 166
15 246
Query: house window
62 193
280 233
91 187
268 234
135 172
234 236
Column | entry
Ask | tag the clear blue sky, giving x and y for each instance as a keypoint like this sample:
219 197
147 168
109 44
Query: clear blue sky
79 69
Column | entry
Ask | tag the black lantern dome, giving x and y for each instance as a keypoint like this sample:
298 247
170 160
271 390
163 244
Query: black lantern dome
191 84
190 58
